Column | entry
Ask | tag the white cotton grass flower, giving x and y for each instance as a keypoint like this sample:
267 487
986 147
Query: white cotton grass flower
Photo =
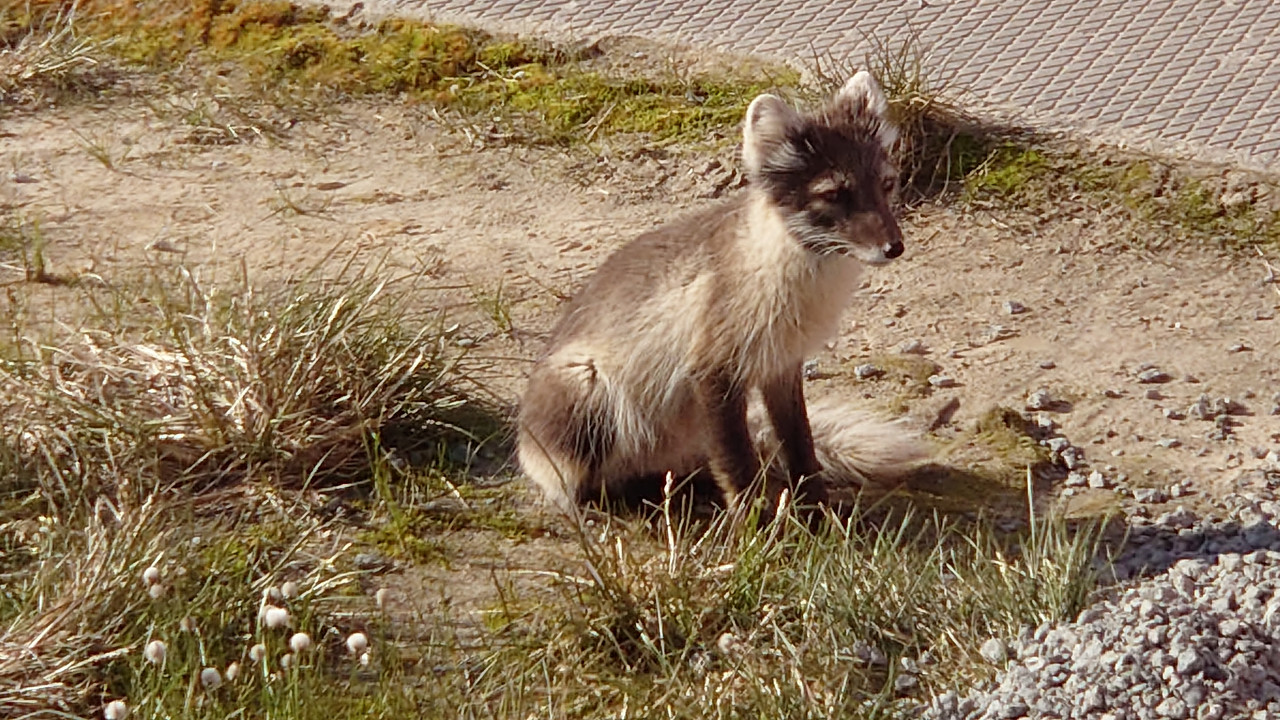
286 661
364 659
232 672
156 591
155 652
211 679
276 617
381 598
272 595
357 643
187 624
289 590
151 575
115 710
300 643
257 652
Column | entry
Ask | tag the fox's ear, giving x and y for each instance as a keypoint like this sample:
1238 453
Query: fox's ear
768 119
862 89
861 94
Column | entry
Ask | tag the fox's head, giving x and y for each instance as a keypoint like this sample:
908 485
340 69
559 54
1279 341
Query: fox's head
829 172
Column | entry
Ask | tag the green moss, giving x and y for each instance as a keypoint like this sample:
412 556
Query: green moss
544 95
1008 171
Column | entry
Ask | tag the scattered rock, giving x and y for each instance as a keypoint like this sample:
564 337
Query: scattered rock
994 651
1238 347
1013 307
1153 375
942 381
867 371
913 347
1169 442
994 333
1047 365
811 370
1039 400
1148 496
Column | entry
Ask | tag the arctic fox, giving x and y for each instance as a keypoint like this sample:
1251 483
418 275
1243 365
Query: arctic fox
652 366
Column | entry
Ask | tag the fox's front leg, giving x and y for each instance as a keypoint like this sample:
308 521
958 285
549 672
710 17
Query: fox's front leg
731 454
784 401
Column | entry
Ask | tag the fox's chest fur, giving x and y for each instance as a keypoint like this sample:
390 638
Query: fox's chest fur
754 304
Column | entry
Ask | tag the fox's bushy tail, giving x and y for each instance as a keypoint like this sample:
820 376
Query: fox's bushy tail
854 446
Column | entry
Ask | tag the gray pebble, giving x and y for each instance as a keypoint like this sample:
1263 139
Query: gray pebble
1013 307
1153 375
942 381
867 371
994 651
1149 495
913 347
1039 400
1169 442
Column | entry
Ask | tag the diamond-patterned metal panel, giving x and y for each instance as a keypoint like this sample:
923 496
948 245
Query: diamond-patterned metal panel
1164 74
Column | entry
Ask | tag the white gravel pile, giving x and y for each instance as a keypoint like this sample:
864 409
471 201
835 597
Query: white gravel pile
1199 639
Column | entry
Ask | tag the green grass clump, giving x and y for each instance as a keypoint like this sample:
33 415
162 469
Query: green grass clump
736 621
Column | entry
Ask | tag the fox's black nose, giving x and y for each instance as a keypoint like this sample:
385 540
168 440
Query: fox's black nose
893 249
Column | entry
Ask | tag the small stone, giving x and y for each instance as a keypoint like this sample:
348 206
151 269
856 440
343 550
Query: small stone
1188 661
995 651
811 370
1153 375
913 347
1171 414
1072 458
1039 400
1169 442
867 371
1238 347
1098 481
942 381
1153 394
1149 495
1013 307
1057 444
995 333
905 682
21 177
1047 365
1076 479
370 561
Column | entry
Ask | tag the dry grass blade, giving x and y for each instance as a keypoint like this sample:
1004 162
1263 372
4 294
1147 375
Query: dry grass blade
49 54
82 597
224 384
